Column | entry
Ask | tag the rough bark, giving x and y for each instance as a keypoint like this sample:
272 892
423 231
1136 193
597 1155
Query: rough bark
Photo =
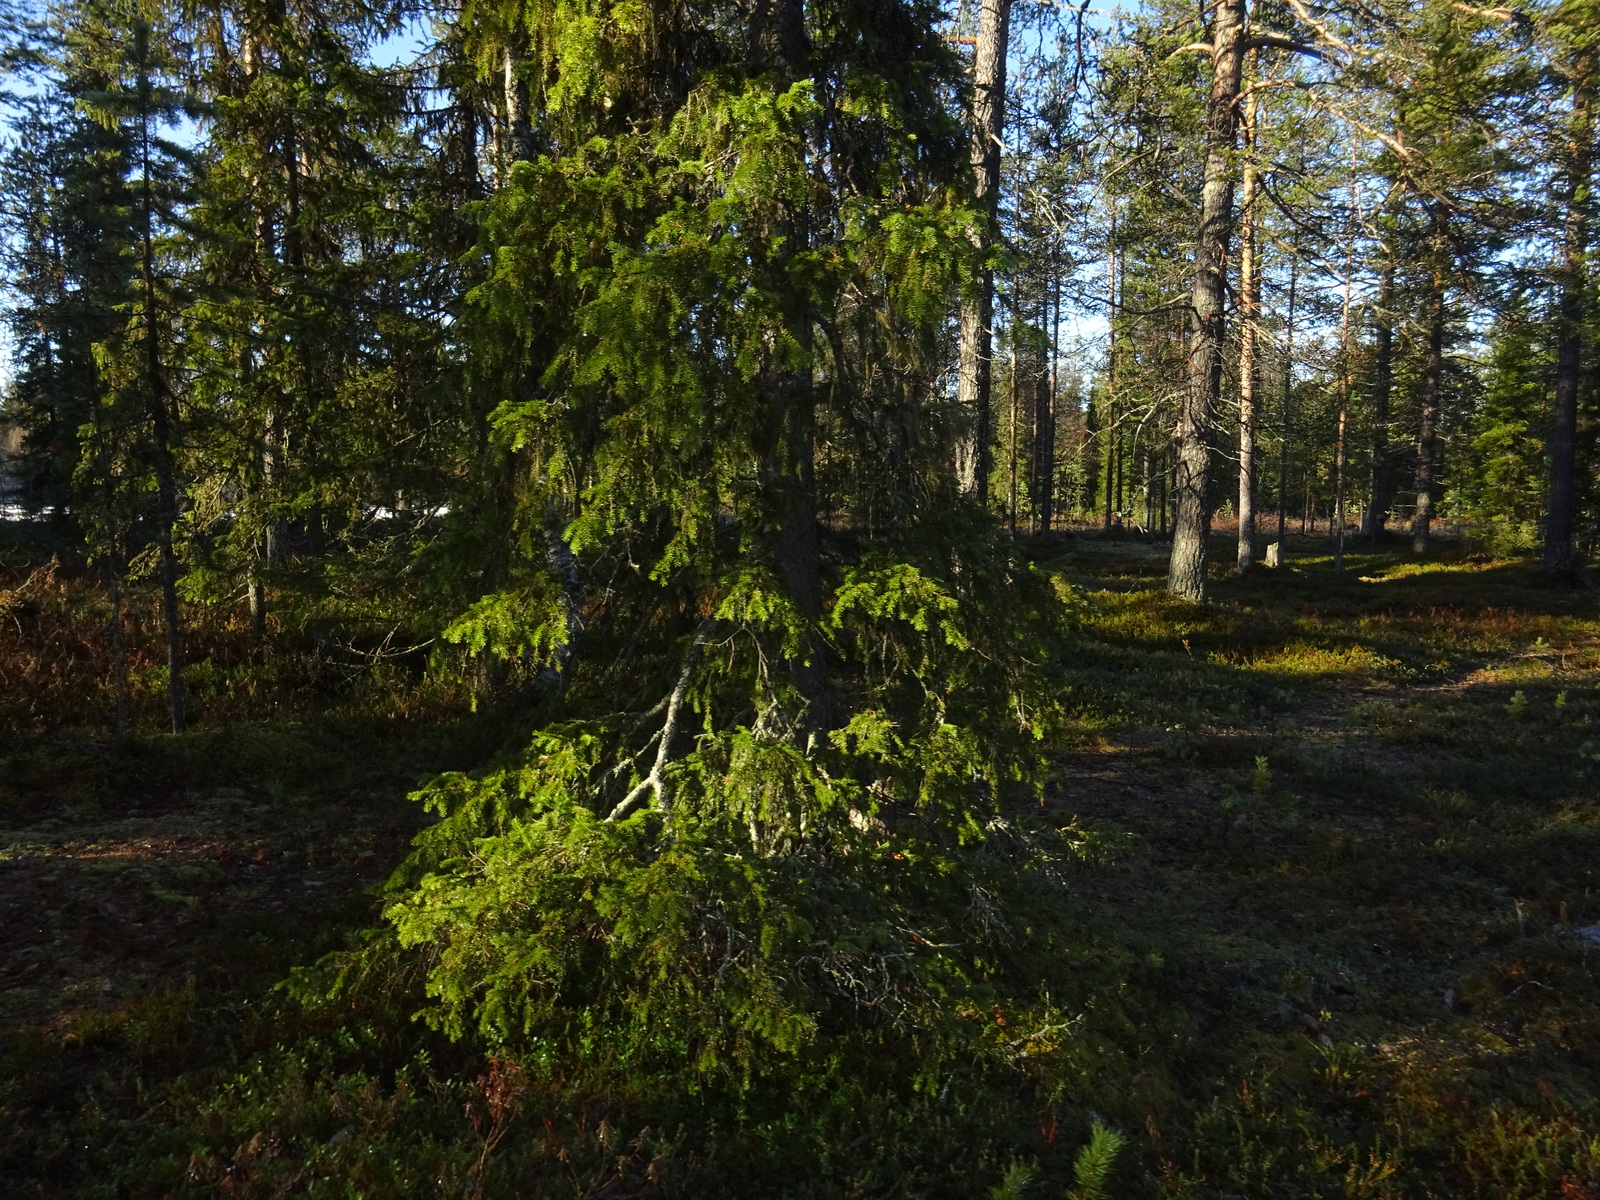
1559 555
975 379
1186 573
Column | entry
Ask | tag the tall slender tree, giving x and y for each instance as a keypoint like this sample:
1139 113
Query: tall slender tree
1186 573
1575 28
139 104
976 374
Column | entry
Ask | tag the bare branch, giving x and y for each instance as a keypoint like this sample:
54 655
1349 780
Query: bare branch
655 782
1323 31
1280 41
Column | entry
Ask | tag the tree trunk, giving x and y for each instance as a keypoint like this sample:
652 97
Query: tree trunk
1381 478
1559 556
252 56
1044 435
1341 456
1012 390
1288 396
1112 451
977 309
1149 492
1432 377
119 648
1249 367
519 129
155 391
1110 424
1186 574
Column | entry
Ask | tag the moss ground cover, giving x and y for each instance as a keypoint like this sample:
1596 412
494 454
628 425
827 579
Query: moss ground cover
1359 835
1345 834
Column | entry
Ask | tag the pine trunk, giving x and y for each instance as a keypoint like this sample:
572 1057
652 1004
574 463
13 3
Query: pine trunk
974 384
1186 574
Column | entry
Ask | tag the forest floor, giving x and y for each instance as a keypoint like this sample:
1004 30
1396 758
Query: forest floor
1357 820
1348 830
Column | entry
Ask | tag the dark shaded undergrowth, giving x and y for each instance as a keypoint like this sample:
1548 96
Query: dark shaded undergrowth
1345 833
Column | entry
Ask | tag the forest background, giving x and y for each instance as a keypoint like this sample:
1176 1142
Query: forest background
712 455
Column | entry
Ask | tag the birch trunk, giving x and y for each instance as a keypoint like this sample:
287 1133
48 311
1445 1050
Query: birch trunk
1288 398
1249 366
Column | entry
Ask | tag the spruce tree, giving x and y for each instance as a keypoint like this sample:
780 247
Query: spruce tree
141 386
774 655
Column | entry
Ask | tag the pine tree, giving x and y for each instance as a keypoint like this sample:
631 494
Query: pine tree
976 373
1186 574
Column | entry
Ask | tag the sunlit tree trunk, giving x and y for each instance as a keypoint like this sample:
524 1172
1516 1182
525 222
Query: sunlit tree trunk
1186 573
1109 424
1286 414
519 129
977 307
1249 366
